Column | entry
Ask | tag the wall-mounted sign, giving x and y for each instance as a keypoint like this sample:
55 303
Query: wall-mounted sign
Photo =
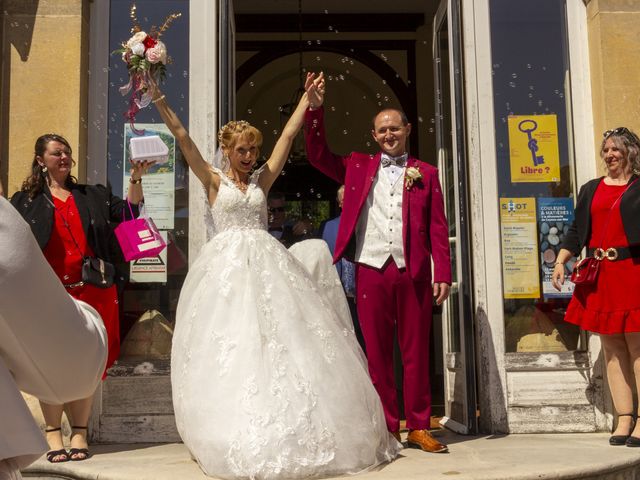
150 269
555 216
159 183
520 269
533 148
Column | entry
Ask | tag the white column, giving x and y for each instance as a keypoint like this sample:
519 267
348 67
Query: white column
203 61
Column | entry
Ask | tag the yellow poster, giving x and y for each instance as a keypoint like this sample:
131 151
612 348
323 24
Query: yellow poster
533 148
518 233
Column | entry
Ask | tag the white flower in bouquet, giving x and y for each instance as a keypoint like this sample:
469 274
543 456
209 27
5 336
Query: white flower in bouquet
137 49
138 37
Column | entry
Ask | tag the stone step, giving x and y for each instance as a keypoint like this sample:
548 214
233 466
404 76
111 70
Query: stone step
495 457
135 404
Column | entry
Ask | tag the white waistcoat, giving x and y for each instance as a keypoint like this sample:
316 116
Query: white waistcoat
379 229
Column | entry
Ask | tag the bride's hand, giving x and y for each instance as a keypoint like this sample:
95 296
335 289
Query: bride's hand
315 87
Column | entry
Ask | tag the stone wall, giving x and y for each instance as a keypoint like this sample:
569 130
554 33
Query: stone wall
614 51
43 82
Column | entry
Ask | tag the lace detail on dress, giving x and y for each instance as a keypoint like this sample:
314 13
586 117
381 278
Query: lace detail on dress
226 346
234 210
303 445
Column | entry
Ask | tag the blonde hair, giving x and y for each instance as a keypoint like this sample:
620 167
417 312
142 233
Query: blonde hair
229 134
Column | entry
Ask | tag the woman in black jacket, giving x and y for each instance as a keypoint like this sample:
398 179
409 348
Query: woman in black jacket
70 222
606 222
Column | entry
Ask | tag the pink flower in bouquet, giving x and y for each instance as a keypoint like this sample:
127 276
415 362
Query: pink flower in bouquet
156 54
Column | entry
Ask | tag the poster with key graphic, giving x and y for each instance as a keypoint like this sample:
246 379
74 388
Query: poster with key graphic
533 148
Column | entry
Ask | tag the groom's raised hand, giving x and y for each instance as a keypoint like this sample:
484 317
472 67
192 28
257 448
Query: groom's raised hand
315 86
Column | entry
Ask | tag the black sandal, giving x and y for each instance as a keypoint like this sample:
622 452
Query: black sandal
618 440
52 454
79 451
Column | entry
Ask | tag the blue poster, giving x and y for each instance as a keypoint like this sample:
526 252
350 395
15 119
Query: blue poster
555 215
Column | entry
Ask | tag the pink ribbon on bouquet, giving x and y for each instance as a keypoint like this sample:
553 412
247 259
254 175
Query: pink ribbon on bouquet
139 97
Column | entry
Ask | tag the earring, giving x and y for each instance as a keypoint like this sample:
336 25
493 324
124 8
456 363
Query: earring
44 169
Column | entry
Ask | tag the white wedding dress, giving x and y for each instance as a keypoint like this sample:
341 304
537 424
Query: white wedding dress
268 378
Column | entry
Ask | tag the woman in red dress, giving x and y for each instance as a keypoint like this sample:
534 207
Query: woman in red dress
70 222
606 222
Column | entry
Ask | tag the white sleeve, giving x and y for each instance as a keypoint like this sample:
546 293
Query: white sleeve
54 346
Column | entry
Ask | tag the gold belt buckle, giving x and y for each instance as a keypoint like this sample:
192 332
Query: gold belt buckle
611 253
599 253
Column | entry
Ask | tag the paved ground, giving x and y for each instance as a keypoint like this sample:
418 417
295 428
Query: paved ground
541 456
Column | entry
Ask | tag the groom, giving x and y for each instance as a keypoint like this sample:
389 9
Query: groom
393 224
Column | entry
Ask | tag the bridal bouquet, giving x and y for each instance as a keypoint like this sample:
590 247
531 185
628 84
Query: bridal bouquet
146 58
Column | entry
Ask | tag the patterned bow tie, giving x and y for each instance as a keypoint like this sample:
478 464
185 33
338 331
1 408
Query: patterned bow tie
386 161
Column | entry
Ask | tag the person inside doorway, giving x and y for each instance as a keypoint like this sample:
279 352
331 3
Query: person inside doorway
606 222
392 224
282 228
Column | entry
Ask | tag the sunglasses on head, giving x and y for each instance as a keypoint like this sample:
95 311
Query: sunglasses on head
623 132
617 131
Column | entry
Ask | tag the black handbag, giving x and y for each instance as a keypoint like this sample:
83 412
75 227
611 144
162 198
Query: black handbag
97 272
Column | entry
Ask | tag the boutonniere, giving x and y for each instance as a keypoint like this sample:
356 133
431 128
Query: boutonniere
410 176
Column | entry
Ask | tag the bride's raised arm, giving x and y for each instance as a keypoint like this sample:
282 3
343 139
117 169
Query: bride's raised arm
281 150
192 155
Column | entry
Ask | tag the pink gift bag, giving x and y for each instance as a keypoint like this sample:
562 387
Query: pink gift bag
139 238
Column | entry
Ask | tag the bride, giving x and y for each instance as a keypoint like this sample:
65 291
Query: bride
268 378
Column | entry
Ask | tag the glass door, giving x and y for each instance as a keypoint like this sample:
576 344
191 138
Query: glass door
457 315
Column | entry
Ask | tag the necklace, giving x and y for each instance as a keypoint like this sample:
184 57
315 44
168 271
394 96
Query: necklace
242 186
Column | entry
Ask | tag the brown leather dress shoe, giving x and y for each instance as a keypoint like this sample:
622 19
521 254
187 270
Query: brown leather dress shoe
423 440
396 435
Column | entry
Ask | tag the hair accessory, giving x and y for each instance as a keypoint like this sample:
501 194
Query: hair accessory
623 132
234 126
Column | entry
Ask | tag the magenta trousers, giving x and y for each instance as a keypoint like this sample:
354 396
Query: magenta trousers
386 299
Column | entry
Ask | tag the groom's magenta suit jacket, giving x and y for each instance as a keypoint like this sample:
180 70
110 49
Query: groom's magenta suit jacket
424 225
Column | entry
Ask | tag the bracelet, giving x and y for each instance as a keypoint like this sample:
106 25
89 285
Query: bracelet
161 97
135 182
558 263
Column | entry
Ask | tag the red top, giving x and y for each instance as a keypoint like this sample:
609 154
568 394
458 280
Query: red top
61 251
606 223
